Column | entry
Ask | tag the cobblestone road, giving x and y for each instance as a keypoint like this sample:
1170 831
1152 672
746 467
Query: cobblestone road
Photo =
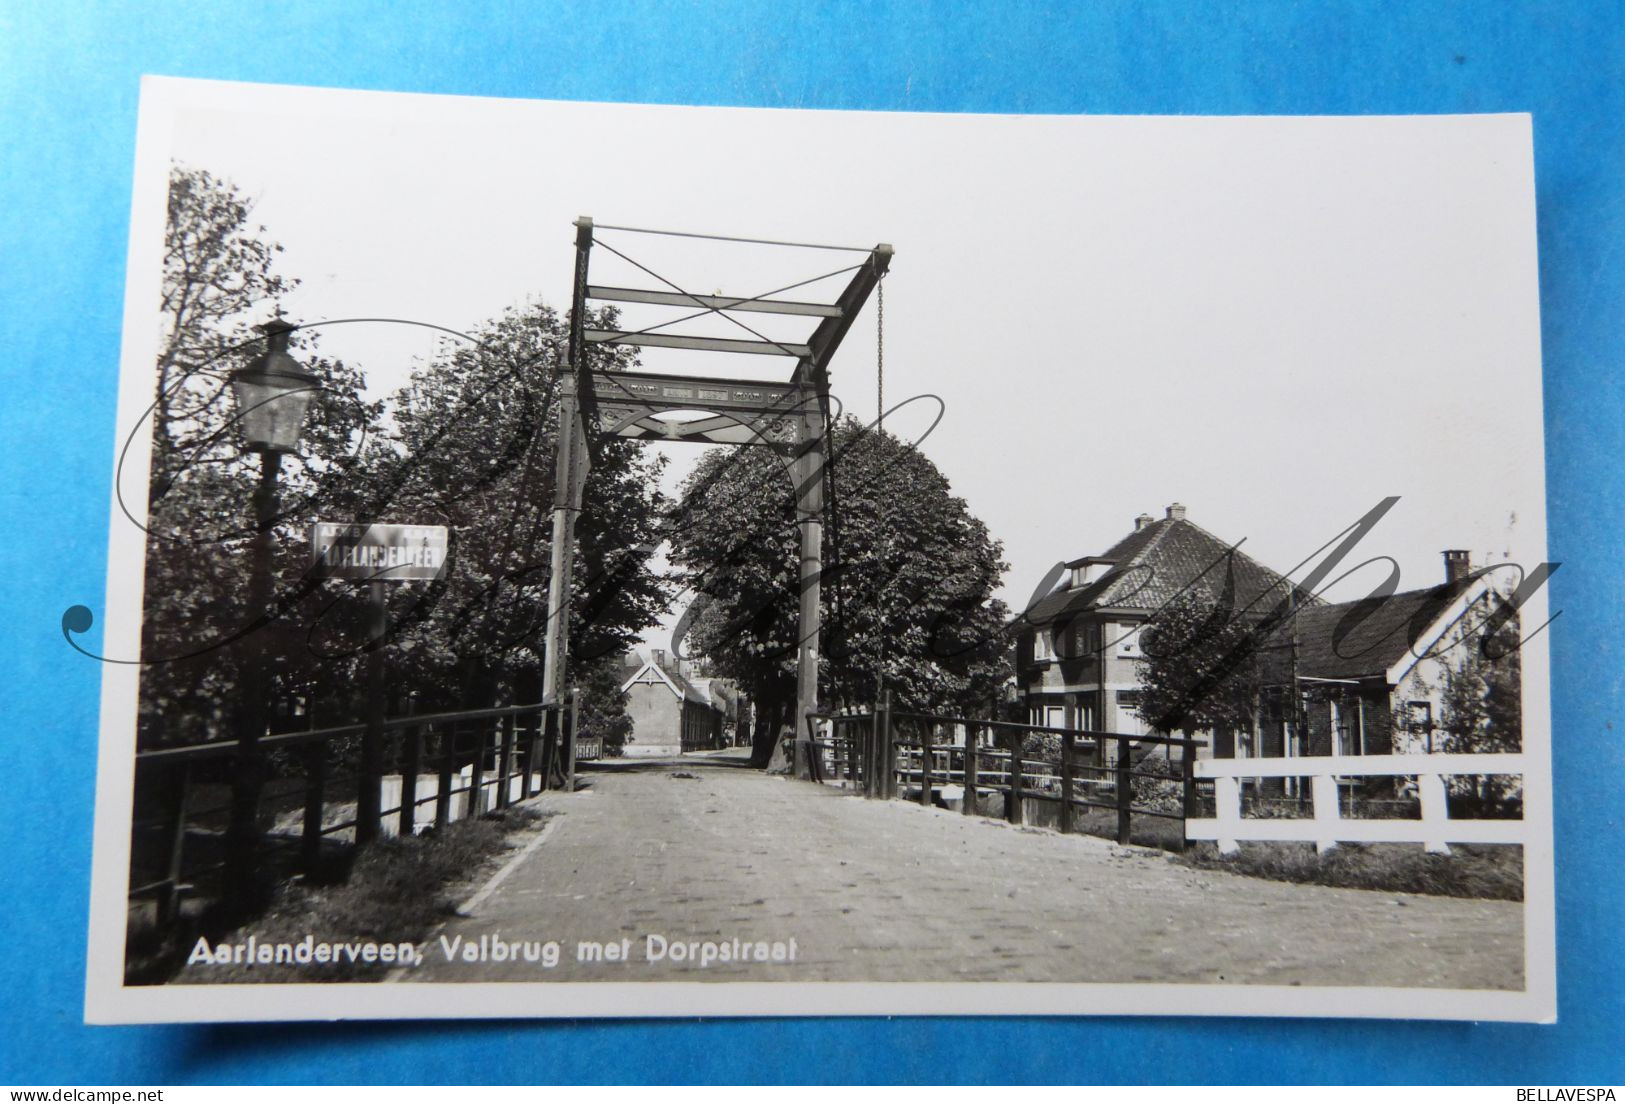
888 891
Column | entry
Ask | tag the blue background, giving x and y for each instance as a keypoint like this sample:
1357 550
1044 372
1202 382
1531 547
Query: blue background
68 97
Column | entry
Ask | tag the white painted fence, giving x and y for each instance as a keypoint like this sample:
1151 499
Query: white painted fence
1328 827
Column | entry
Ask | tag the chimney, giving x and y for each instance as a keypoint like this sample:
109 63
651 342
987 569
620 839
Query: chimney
1456 565
1176 512
1141 522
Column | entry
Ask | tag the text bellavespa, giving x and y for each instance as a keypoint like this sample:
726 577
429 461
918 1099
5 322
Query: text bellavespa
547 954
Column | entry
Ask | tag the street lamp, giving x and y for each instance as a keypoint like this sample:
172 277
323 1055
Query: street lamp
273 395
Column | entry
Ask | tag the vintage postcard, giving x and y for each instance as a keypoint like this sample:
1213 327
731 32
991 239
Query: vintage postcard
609 560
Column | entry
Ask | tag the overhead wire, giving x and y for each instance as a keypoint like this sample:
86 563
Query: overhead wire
728 238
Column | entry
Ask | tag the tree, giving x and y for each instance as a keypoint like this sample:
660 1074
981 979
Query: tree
472 449
603 707
219 280
907 589
1201 668
468 444
1481 709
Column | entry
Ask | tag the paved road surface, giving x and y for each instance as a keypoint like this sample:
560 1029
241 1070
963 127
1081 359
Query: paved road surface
888 891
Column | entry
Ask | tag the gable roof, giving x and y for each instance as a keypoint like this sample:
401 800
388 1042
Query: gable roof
1371 636
1153 564
674 680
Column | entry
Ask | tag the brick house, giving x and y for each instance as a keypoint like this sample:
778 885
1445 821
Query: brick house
1077 656
669 713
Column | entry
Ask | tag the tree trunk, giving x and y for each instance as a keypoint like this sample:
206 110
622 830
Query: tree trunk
765 740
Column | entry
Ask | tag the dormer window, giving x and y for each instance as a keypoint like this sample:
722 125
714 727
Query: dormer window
1086 571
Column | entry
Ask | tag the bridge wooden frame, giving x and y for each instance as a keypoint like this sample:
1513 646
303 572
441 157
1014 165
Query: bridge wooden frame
791 417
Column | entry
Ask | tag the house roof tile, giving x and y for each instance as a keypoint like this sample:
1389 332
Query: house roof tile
1366 637
1153 564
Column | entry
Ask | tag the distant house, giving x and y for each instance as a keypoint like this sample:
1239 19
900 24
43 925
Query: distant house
1350 678
1078 651
728 700
1369 673
669 713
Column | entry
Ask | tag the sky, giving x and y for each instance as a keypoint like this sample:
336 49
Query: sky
1274 321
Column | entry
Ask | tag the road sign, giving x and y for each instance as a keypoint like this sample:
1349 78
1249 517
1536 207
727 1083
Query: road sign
378 553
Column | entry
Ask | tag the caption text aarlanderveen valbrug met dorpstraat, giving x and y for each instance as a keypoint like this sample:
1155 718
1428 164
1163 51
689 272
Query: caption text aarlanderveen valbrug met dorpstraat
494 947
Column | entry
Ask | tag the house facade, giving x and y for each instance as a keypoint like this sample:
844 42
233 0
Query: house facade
669 713
1078 648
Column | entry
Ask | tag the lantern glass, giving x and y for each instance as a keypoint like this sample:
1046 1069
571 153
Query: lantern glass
272 406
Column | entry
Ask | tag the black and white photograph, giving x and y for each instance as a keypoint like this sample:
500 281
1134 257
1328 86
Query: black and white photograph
576 559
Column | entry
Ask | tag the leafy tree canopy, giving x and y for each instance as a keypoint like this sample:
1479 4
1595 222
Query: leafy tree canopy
908 584
1201 668
468 444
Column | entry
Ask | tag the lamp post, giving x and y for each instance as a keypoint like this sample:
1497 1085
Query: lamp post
273 394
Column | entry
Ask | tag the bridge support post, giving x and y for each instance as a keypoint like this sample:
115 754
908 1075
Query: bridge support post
570 465
808 473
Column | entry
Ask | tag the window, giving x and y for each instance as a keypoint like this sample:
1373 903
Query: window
1085 639
1129 720
1346 727
1419 721
1043 649
1047 715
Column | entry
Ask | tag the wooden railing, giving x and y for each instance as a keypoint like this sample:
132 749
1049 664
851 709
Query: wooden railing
309 790
888 754
1326 827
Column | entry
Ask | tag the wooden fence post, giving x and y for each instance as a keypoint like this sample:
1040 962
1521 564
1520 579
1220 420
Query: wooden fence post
968 806
505 763
369 797
412 753
1435 812
310 838
1125 789
1323 790
1067 744
476 778
442 795
1188 803
575 721
888 749
533 732
925 762
1012 798
870 742
169 894
1227 811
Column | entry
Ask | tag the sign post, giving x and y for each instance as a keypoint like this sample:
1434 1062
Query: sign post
376 555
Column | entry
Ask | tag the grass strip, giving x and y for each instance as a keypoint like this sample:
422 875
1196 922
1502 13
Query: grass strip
1486 872
397 890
